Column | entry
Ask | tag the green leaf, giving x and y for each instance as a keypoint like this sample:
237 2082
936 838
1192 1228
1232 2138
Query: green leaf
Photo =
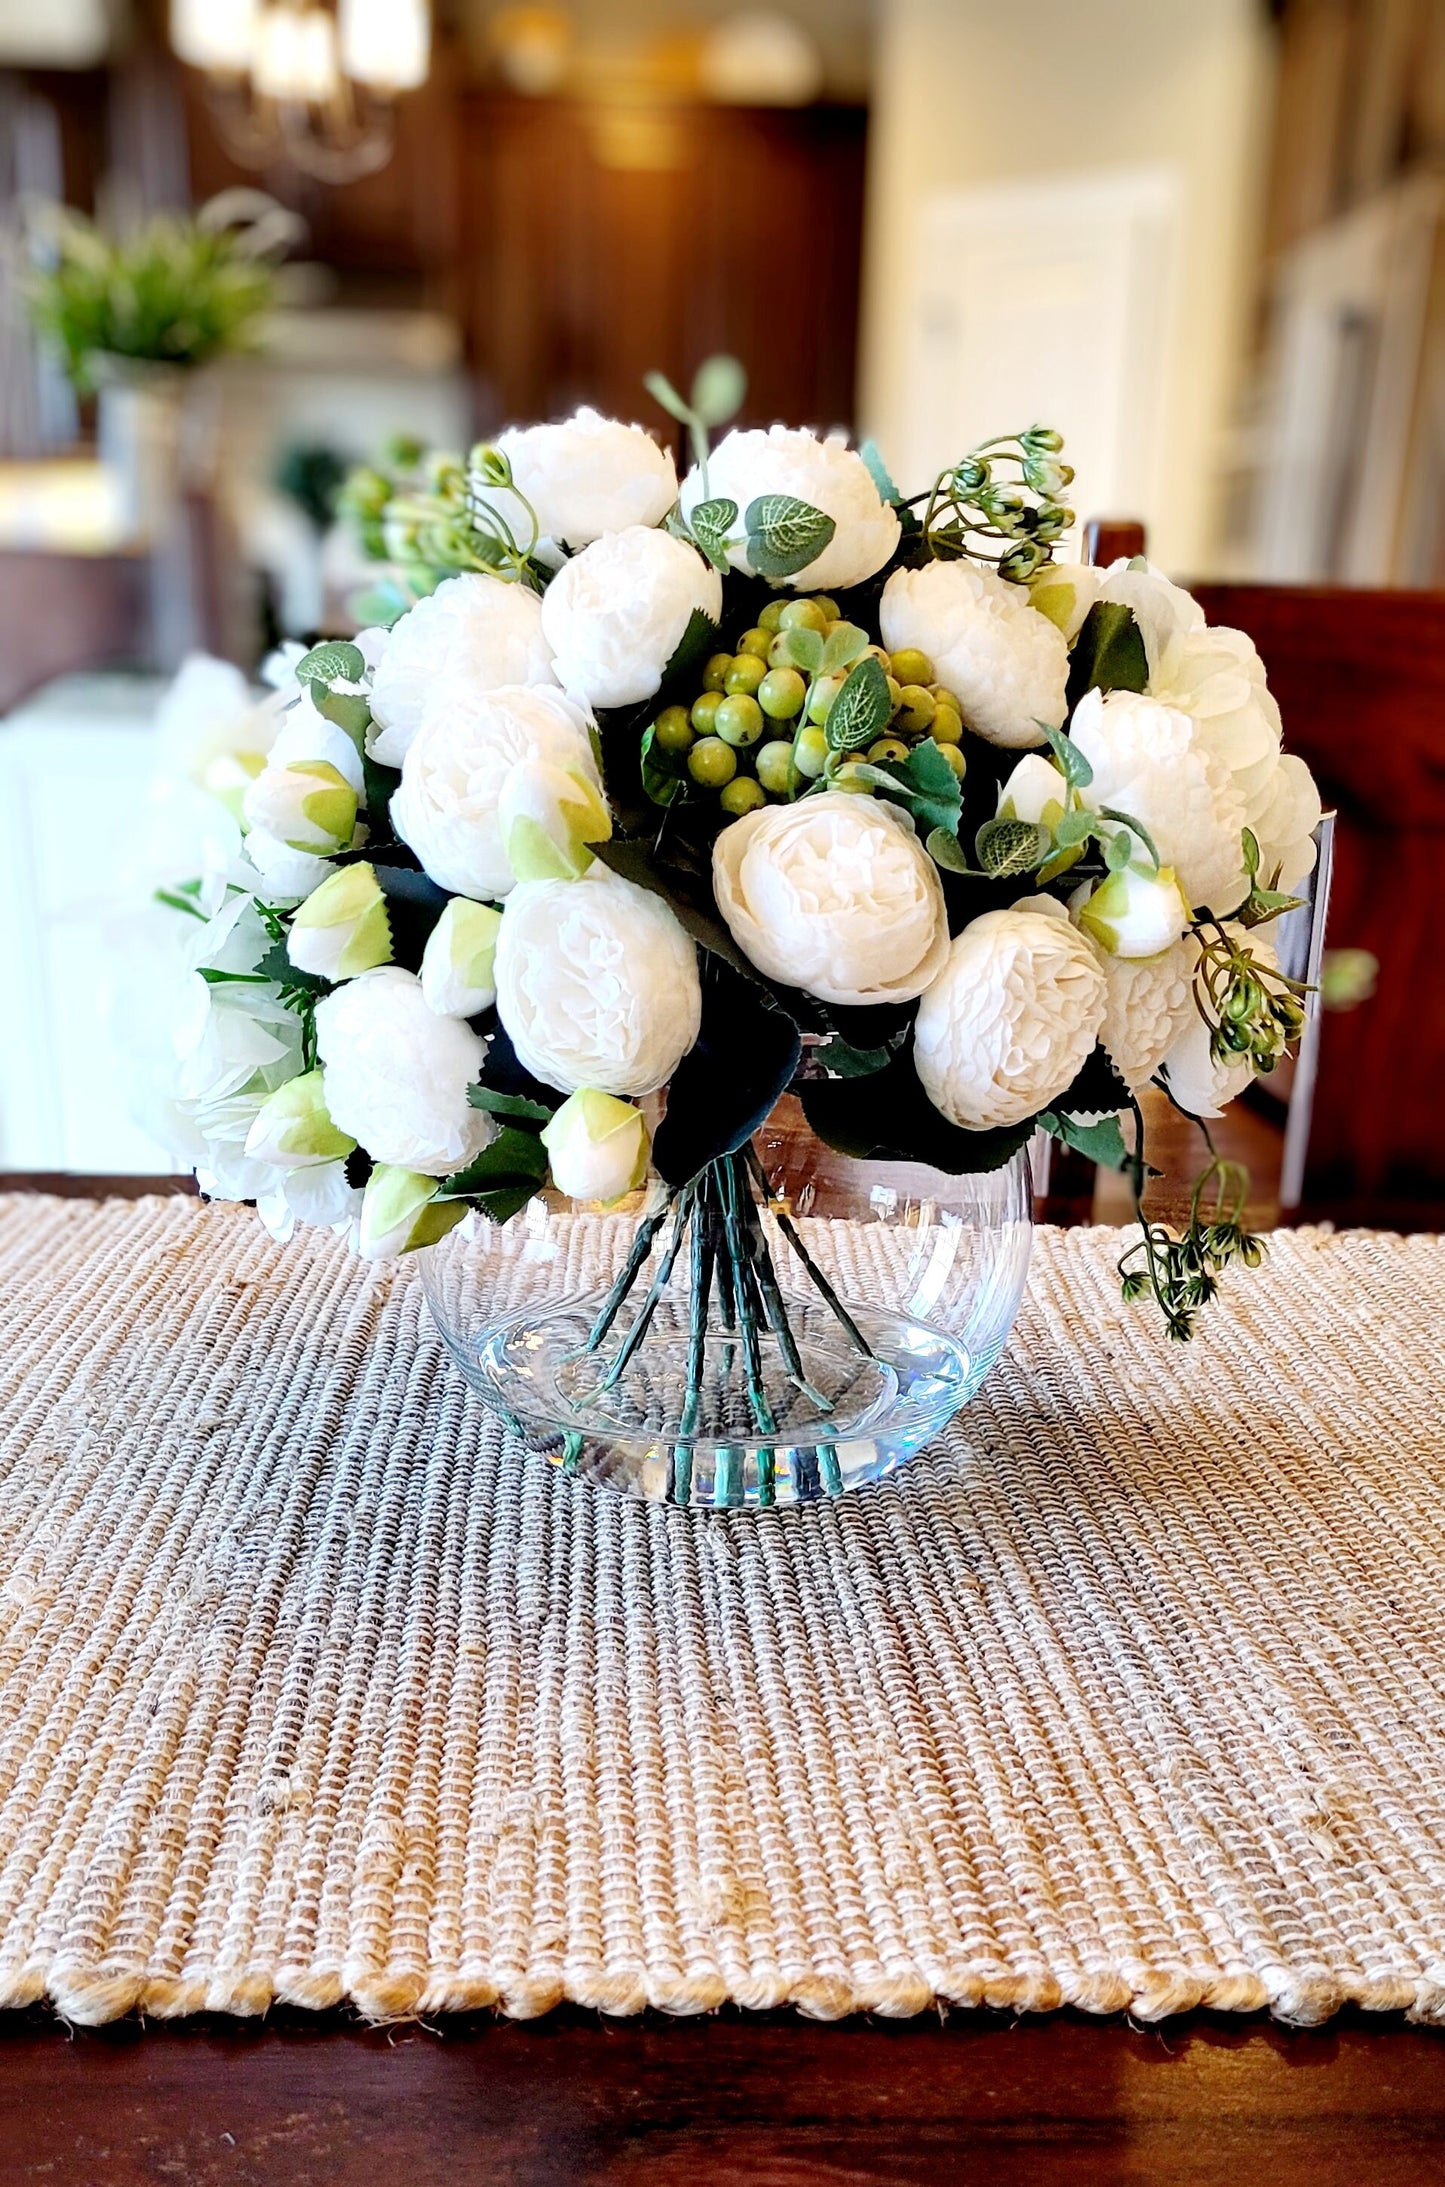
802 648
505 1104
943 848
842 647
784 534
692 648
333 660
1118 852
861 710
348 709
276 965
662 776
512 1158
845 1061
662 391
213 978
887 1117
1108 653
878 472
505 1201
180 898
1006 848
711 523
1127 820
1250 843
924 783
379 786
1077 771
719 387
1102 1142
1072 830
384 603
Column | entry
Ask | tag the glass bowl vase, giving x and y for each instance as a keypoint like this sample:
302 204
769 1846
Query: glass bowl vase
801 1325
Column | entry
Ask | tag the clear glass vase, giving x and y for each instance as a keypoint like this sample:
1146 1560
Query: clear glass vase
801 1324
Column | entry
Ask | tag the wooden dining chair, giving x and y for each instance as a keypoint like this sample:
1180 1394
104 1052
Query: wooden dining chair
1360 678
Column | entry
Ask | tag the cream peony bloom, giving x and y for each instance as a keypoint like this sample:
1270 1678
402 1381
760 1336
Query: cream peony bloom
615 614
827 475
1150 763
584 477
1008 664
1163 610
397 1074
834 894
1195 1080
473 633
1284 815
597 984
1012 1018
468 742
1149 1003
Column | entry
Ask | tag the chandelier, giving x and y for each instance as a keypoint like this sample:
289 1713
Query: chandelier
291 82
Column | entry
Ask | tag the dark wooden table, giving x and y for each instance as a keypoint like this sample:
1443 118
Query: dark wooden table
301 2100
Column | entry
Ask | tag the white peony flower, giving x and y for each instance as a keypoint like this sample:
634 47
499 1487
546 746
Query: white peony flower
397 1074
597 1146
473 633
400 1213
1133 913
1284 815
343 927
293 1128
827 475
467 744
458 965
1065 591
584 477
615 614
1200 1085
1217 678
1035 792
834 894
597 984
1150 1001
317 1192
1149 763
1012 1018
1008 664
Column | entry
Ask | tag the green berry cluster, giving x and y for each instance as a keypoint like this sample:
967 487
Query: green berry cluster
756 729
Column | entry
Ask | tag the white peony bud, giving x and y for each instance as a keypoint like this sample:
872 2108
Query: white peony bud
1149 1003
474 633
448 806
458 975
1150 764
1008 664
397 1074
597 984
343 927
286 875
616 613
1035 792
400 1213
827 475
1011 1020
597 1146
834 894
548 815
293 1128
1133 913
584 477
309 806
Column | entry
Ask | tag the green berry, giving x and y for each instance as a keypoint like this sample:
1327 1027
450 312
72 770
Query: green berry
821 697
954 757
942 696
672 731
739 719
826 606
946 726
911 666
888 748
704 712
810 752
771 618
916 709
740 796
895 693
806 614
717 668
756 640
745 673
712 763
775 766
850 776
781 694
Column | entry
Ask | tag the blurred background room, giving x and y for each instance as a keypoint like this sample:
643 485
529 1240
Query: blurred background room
1203 238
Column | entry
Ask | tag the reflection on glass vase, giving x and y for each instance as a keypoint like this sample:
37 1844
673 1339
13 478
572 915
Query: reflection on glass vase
789 1325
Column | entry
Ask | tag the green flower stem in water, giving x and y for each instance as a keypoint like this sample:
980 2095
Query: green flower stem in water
641 1246
820 1282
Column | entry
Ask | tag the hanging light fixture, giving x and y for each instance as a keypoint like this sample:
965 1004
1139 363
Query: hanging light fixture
311 86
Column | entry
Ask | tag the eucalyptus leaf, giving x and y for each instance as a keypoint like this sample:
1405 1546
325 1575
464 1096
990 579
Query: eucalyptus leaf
944 849
784 534
1077 771
662 391
860 711
842 647
719 388
1073 829
336 659
1118 852
878 472
803 648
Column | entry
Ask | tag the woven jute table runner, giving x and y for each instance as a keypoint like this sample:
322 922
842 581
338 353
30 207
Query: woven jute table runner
313 1687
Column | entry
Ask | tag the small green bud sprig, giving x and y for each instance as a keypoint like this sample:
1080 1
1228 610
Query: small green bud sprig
423 512
1001 504
1254 1013
1182 1272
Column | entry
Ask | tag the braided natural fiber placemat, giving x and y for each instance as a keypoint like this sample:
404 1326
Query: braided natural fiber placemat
311 1688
